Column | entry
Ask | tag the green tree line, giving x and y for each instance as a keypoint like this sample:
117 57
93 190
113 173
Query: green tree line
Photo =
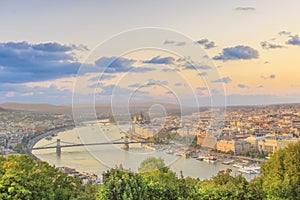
24 178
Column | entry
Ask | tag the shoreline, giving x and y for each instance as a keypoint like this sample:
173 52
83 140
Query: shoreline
219 163
35 140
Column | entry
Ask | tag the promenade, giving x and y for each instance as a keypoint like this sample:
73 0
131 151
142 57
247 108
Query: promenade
33 141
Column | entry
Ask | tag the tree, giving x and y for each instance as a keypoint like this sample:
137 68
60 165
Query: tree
21 177
151 164
223 186
18 148
281 174
120 184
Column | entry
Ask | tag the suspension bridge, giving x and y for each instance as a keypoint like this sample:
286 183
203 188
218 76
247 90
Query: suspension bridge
59 144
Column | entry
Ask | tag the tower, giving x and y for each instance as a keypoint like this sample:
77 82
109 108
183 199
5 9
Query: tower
126 145
58 148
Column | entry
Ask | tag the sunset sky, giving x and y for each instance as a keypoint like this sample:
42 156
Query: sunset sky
248 51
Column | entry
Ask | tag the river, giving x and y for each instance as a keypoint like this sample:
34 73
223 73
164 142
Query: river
96 159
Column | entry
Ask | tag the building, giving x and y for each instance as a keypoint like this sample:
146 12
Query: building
236 146
144 132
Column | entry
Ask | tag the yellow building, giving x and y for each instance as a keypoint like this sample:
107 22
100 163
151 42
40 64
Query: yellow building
270 144
237 146
143 132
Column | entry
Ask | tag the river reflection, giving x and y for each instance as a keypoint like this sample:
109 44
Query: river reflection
96 159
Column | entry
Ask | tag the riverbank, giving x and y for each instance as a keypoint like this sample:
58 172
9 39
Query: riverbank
97 159
32 142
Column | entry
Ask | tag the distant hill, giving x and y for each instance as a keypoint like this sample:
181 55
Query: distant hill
132 107
37 107
100 108
2 109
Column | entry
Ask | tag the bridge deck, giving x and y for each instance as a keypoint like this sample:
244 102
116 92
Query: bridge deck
90 144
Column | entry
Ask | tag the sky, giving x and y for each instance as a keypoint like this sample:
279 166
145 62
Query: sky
193 52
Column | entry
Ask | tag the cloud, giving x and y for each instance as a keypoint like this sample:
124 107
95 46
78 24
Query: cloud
272 76
203 74
23 62
142 69
284 33
156 82
170 70
172 42
203 67
178 84
222 80
169 42
23 93
206 43
242 86
56 47
239 52
135 85
180 44
245 9
295 40
115 64
103 77
267 45
119 64
160 60
107 90
148 83
202 88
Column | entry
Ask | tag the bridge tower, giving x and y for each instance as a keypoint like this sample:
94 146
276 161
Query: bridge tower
58 147
126 145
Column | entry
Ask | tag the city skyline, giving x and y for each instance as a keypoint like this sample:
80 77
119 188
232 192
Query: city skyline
253 46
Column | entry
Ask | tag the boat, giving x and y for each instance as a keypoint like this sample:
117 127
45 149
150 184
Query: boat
170 152
194 156
210 159
228 162
200 158
48 138
255 169
237 166
246 170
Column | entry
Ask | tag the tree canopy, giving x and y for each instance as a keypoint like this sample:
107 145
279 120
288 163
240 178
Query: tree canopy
24 178
151 164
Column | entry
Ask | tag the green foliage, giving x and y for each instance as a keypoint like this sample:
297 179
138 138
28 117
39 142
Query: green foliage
18 148
151 164
281 174
159 184
119 184
280 179
24 178
223 186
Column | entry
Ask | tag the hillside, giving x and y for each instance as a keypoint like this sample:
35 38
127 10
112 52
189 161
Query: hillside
100 108
37 107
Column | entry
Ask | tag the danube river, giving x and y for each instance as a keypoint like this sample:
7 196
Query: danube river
96 159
